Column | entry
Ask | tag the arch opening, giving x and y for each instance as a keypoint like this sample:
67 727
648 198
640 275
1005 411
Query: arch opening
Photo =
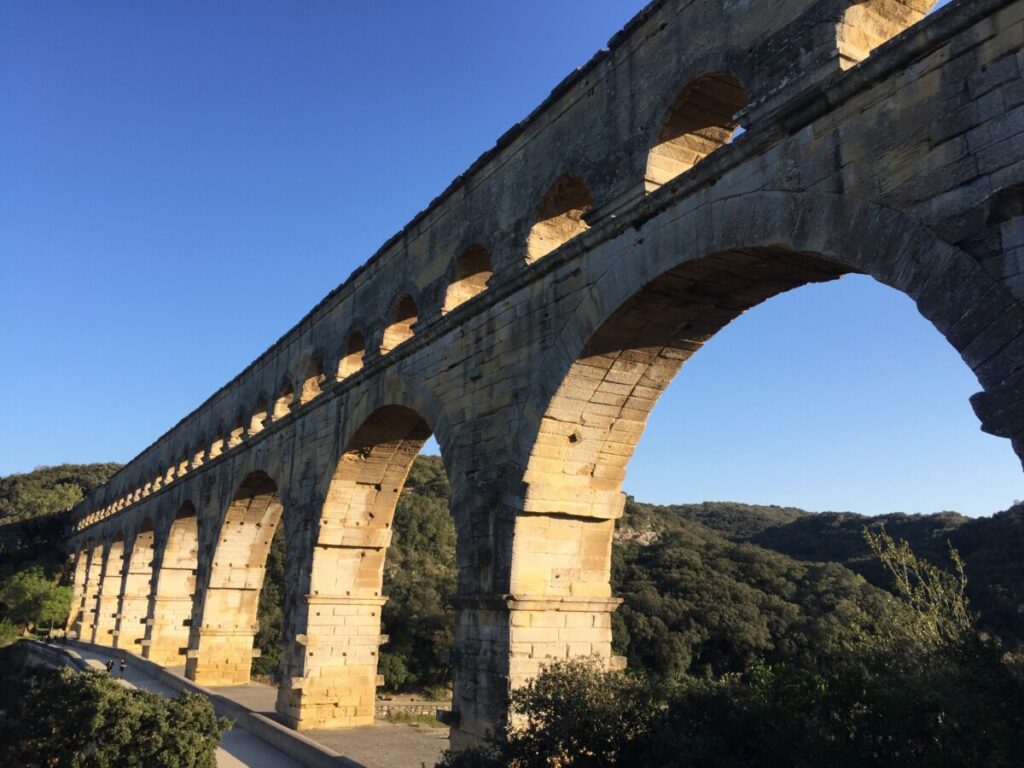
559 217
347 574
404 316
227 619
597 413
170 613
700 120
313 380
135 597
283 401
867 24
472 273
352 360
259 418
237 433
607 395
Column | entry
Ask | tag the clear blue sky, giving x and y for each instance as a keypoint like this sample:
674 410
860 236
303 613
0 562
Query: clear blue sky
181 182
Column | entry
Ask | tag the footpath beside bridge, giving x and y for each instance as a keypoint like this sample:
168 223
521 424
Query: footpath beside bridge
532 315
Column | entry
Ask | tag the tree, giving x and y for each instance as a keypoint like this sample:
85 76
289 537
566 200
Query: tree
29 598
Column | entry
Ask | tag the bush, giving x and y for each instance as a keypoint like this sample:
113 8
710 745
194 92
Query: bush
88 720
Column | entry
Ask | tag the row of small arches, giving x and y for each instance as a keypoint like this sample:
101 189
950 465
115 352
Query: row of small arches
699 121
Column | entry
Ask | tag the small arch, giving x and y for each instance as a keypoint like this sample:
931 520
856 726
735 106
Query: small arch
284 399
869 23
217 446
259 417
237 433
472 273
313 381
352 360
700 120
559 217
399 329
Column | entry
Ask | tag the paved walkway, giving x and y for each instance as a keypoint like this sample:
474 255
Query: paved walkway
381 745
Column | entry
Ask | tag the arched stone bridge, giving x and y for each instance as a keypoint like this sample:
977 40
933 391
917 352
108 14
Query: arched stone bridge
532 315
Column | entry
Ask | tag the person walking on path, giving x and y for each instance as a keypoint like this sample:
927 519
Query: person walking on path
124 666
110 667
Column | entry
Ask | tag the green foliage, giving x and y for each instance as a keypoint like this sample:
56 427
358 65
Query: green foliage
47 490
697 604
270 612
992 548
88 720
419 580
917 688
29 598
8 632
413 718
33 517
699 597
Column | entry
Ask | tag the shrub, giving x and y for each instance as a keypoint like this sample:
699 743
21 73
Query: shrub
88 720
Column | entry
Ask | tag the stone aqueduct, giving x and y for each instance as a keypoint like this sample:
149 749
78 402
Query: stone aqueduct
532 315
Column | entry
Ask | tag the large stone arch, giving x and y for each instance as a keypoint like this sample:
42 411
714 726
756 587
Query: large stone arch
659 293
972 310
224 619
334 604
170 609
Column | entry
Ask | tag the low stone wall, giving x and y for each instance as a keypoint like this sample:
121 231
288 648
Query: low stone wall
385 708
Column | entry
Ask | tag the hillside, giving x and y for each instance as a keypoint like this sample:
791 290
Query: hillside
992 547
34 510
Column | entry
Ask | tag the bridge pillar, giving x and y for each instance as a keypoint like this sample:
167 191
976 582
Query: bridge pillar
90 595
555 603
166 636
221 648
131 617
502 641
78 594
330 677
108 599
170 611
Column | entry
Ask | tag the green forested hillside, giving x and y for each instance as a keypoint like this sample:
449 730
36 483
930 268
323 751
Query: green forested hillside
33 513
46 490
992 548
706 587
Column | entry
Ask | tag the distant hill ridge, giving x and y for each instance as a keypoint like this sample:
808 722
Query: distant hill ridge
992 547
